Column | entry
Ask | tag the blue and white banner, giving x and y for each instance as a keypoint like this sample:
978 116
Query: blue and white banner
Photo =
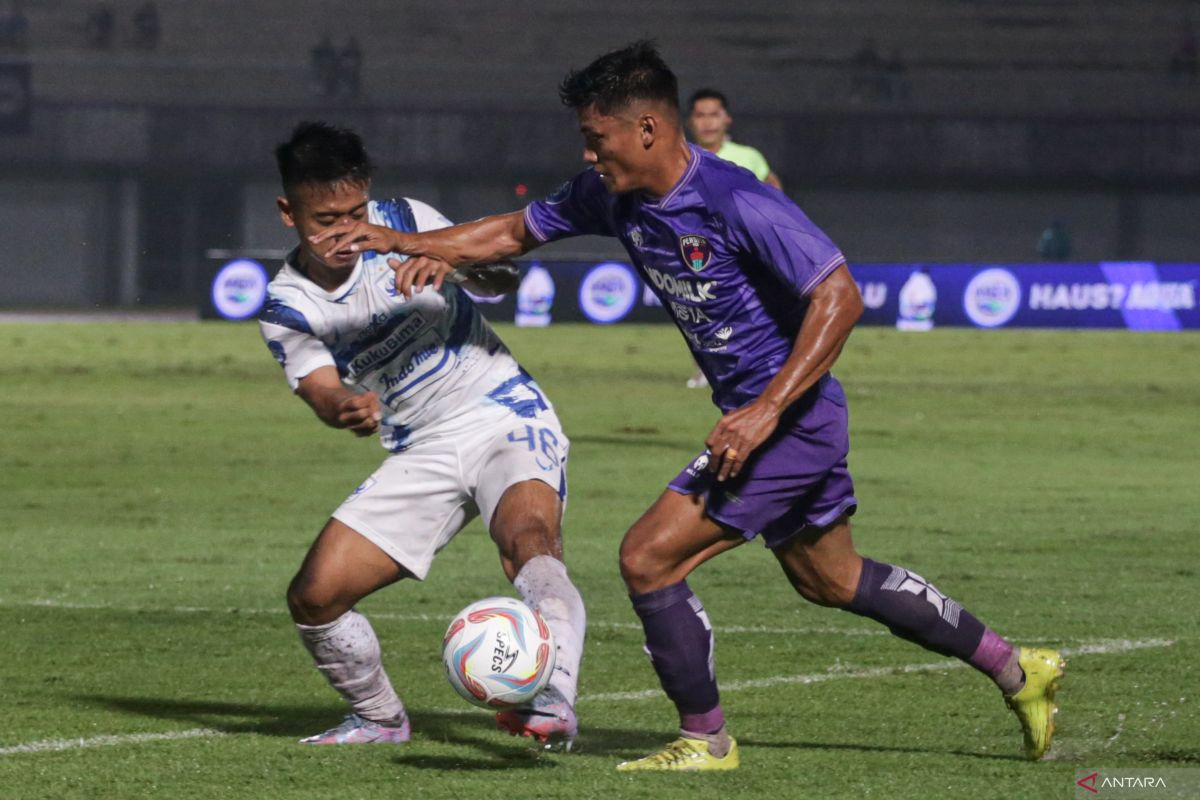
1137 295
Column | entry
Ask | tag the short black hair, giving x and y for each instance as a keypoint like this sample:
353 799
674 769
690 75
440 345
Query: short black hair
706 94
621 77
322 153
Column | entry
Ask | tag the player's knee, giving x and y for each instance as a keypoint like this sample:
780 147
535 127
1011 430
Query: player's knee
832 585
642 569
825 595
527 538
314 603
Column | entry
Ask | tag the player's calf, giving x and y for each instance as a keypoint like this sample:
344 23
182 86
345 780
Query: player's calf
346 651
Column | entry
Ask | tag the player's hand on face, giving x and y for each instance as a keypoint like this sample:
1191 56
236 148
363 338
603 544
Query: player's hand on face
360 413
738 434
356 236
414 274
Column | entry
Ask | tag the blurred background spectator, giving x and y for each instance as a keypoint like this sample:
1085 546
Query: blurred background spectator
325 67
145 26
100 26
350 68
869 81
1183 66
1055 242
14 28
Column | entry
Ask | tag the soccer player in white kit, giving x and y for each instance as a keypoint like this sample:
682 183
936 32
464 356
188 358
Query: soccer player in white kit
467 430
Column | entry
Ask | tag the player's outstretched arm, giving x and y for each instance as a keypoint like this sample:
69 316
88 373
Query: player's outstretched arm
834 307
338 406
483 241
433 255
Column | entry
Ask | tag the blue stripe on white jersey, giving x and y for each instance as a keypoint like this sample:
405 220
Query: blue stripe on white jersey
431 359
279 314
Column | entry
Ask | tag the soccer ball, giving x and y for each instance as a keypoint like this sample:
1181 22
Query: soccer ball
498 653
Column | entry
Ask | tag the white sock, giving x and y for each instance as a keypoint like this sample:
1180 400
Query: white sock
346 652
544 585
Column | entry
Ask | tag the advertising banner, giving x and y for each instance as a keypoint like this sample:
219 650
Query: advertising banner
1144 296
1137 295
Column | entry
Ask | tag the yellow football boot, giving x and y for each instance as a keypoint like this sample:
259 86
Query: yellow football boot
1034 704
684 755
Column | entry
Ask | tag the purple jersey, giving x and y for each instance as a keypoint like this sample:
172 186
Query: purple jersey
732 259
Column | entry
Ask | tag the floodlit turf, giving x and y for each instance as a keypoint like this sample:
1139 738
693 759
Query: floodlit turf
159 485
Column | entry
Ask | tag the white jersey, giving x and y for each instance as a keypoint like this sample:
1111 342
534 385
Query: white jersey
432 360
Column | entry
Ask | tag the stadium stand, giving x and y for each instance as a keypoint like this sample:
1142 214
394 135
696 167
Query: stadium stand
1018 57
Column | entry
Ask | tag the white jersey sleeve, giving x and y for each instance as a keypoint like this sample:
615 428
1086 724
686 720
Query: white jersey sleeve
299 353
427 217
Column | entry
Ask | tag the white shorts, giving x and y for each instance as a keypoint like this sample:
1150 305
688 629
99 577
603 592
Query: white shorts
415 503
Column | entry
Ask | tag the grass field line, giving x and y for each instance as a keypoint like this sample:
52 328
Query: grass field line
417 617
443 618
55 745
1100 647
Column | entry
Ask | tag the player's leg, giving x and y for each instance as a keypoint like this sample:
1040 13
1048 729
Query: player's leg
526 527
341 568
389 528
824 567
519 468
658 553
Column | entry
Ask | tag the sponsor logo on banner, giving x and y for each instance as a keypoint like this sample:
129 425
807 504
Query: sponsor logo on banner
535 298
992 297
874 294
918 299
608 292
696 251
239 289
1137 296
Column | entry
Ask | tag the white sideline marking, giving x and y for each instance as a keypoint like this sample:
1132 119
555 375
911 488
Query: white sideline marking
443 618
54 745
1088 648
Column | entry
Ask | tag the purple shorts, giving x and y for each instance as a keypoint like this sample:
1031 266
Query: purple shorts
796 479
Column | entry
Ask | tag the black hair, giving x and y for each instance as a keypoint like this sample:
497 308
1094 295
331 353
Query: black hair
322 153
706 94
621 77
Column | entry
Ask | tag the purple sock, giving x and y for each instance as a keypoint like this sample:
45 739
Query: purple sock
914 610
679 641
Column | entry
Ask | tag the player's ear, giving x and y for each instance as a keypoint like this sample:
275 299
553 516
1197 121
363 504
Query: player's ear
647 129
285 211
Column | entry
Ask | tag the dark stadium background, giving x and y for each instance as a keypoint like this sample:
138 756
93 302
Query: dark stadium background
920 131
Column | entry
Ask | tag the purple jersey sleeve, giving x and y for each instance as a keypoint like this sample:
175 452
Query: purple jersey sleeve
778 234
580 206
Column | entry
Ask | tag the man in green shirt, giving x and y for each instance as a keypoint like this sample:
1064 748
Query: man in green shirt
709 121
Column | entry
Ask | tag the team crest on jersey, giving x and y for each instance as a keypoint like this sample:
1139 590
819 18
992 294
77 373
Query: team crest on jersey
696 251
635 236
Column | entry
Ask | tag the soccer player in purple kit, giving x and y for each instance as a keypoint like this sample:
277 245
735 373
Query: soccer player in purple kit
766 303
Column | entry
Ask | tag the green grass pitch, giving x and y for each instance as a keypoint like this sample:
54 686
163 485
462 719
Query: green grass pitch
159 486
